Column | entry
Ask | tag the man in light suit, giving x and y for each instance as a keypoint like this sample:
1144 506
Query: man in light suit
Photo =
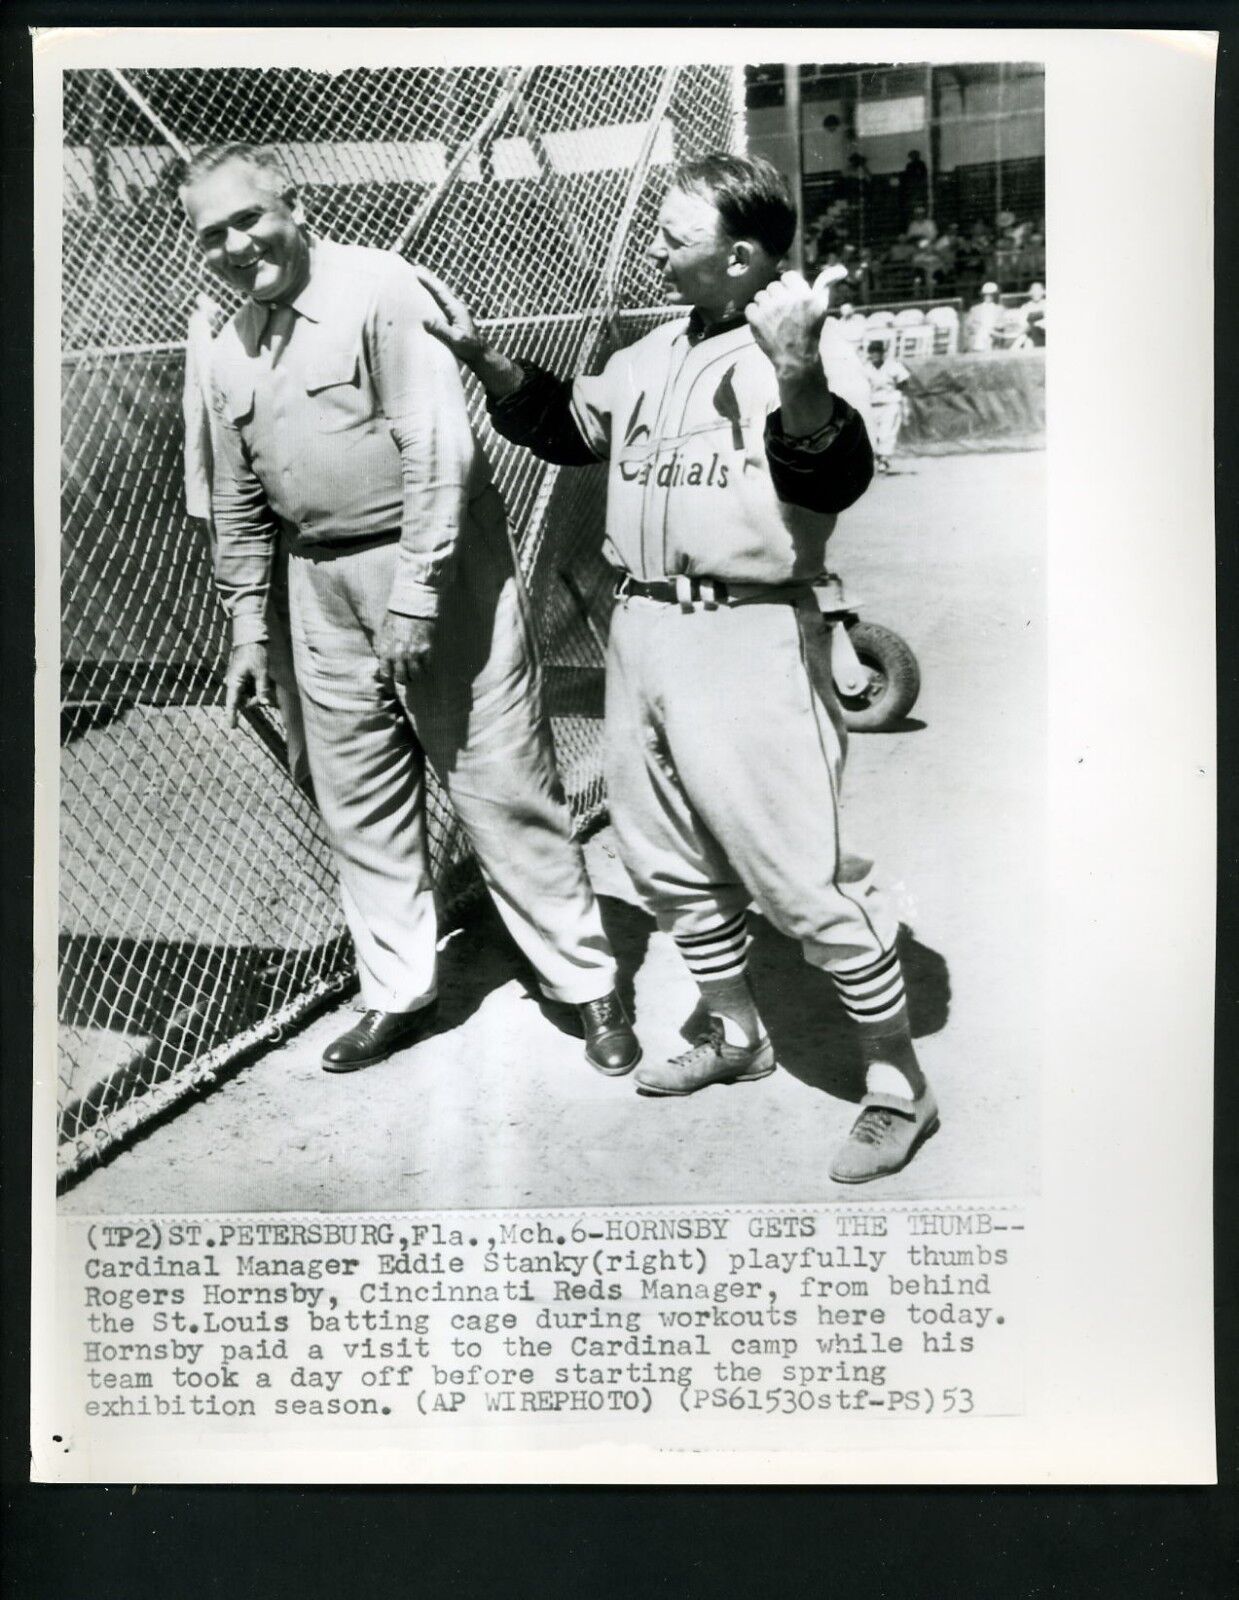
341 430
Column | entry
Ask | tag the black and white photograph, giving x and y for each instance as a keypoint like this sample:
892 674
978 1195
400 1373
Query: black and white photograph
553 634
623 887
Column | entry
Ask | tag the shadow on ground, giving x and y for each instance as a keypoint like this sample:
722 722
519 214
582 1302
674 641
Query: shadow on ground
134 1012
812 1037
628 930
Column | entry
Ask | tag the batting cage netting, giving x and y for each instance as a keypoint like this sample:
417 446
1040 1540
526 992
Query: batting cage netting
198 908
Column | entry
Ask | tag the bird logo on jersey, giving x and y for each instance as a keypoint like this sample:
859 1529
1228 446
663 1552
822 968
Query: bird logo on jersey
672 473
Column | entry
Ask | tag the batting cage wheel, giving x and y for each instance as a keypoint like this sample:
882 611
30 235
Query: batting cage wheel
894 680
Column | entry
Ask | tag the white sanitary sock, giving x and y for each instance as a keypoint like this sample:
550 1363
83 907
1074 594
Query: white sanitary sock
882 1078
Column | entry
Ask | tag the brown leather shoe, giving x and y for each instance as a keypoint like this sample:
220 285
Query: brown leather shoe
611 1046
376 1036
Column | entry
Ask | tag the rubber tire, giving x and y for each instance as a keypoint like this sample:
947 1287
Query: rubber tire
882 651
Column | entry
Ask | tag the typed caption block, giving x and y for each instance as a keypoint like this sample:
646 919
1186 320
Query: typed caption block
221 1322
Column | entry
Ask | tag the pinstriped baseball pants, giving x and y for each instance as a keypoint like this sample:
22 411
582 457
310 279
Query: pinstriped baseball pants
724 753
475 713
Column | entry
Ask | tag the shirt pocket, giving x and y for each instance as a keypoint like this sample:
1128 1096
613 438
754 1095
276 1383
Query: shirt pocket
333 392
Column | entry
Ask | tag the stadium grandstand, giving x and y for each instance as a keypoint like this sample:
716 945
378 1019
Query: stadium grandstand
927 184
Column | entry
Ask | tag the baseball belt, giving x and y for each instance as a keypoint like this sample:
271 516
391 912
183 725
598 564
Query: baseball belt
688 592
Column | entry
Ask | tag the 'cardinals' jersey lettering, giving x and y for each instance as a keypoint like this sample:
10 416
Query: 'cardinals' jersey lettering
683 426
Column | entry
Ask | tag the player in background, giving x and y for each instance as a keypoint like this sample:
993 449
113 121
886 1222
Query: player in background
886 375
734 438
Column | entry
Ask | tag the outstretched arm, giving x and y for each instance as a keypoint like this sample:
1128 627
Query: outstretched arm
455 327
526 405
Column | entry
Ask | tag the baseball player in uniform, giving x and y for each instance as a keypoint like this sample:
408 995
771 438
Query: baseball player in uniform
886 375
732 445
340 428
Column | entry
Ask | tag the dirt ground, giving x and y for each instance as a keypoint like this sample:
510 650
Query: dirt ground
498 1107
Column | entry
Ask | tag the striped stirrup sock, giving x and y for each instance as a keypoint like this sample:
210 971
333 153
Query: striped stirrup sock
720 954
874 995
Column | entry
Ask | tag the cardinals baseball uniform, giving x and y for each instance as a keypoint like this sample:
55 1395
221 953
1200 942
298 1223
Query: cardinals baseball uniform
724 744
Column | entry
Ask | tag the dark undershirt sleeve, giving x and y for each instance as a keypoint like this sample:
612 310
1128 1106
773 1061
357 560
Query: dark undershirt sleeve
827 473
538 416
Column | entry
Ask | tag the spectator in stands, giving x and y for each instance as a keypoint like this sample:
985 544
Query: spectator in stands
1032 260
983 319
848 287
894 276
914 185
925 265
1032 315
946 248
970 259
934 262
887 376
1005 264
856 283
922 229
860 176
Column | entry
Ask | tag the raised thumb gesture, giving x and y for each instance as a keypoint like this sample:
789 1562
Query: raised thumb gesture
786 318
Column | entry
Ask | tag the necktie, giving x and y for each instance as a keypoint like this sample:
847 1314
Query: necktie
279 326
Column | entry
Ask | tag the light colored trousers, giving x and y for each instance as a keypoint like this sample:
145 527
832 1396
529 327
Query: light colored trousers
724 753
283 674
475 713
887 421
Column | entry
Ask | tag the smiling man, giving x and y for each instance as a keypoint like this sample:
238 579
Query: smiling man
340 428
731 449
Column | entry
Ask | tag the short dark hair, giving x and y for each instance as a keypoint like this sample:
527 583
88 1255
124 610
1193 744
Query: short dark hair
749 194
257 156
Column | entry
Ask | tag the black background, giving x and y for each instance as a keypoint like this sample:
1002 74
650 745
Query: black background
122 1543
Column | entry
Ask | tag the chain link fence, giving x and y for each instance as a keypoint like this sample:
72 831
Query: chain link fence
198 908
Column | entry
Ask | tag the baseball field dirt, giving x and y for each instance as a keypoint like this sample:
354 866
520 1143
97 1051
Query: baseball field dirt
498 1108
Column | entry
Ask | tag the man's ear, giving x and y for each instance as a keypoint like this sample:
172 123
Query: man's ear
742 256
296 210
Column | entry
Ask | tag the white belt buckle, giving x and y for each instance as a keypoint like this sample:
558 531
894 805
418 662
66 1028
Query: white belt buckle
709 599
684 591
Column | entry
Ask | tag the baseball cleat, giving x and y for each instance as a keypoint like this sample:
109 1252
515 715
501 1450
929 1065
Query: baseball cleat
711 1060
885 1137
